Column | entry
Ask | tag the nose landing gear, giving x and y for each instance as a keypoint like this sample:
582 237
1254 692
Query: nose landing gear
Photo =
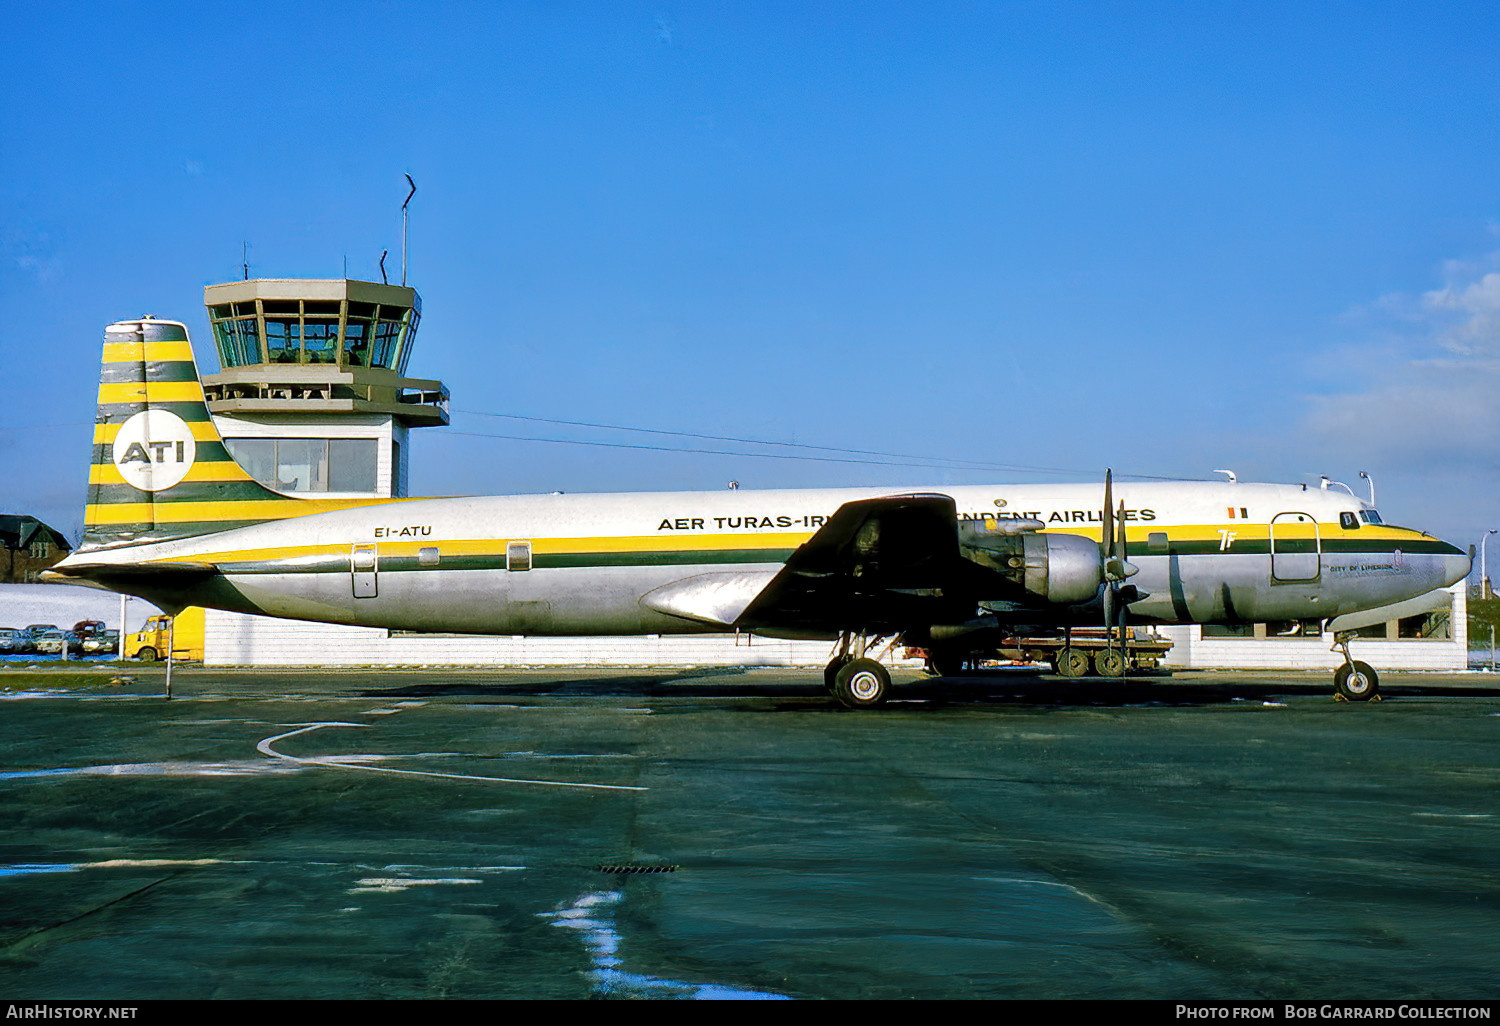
1354 681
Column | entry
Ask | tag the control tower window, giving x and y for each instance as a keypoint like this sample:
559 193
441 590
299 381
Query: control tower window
411 332
351 464
302 464
359 332
236 334
320 341
387 338
309 464
283 339
256 455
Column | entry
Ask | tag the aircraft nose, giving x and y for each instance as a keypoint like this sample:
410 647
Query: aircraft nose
1456 565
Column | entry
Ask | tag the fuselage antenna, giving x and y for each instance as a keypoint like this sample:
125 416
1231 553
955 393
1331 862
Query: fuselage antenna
1229 473
1371 482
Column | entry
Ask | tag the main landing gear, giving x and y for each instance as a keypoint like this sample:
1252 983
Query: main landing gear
856 681
1354 681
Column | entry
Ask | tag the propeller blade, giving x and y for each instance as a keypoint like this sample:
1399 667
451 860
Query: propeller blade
1108 533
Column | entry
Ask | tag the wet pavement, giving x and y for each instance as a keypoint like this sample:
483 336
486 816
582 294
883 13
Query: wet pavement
729 833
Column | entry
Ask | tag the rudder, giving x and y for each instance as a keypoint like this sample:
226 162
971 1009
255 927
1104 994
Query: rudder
160 470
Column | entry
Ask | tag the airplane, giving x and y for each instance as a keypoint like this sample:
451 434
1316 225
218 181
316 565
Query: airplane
172 518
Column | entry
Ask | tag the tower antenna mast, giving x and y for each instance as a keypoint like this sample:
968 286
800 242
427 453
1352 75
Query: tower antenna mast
403 226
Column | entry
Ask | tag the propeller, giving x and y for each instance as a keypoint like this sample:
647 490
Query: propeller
1117 568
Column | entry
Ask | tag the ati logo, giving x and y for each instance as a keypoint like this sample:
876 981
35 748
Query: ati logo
154 450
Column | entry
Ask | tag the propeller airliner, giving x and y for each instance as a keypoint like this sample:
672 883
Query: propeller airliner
172 518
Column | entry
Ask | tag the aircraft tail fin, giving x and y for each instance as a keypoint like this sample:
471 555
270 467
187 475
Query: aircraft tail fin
160 470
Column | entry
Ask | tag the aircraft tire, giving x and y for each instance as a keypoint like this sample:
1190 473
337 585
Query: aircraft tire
1358 683
862 684
1073 662
1108 662
831 672
147 655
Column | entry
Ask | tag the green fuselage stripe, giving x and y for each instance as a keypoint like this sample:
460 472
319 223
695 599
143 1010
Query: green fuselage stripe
340 562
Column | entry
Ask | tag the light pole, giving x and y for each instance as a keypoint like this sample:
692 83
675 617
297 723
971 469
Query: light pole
1484 573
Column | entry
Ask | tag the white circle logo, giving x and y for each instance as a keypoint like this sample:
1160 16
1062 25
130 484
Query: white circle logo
154 450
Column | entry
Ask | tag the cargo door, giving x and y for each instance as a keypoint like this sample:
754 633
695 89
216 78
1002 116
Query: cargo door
362 571
1296 548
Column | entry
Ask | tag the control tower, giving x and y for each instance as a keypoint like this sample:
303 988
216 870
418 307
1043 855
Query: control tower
313 397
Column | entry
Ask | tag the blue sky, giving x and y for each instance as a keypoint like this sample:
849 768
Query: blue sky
1164 238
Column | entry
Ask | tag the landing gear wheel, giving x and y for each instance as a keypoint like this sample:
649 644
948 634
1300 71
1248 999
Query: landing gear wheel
1110 662
1356 682
948 664
861 684
1073 662
831 671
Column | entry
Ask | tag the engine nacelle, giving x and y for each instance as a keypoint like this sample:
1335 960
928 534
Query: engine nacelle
1060 568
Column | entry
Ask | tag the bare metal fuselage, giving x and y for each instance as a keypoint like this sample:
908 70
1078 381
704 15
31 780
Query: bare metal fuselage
592 564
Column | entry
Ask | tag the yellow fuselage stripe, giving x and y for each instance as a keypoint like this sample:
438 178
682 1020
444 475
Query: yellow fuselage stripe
772 542
192 512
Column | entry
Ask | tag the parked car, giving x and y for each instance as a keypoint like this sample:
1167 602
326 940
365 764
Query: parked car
14 641
84 633
105 642
35 631
51 642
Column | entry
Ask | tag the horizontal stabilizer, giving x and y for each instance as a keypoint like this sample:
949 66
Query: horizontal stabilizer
142 573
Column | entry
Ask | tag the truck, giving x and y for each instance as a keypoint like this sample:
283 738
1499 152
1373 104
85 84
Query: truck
1079 653
1087 650
185 629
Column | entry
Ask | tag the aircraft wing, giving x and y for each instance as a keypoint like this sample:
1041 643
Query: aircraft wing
877 564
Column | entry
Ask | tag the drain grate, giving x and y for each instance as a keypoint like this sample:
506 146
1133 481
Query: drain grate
634 867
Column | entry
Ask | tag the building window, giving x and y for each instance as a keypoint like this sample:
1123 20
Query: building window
1434 626
359 332
387 337
351 465
320 341
283 339
1221 630
236 333
309 464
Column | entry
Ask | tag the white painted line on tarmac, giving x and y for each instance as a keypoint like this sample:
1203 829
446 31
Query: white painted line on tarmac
334 762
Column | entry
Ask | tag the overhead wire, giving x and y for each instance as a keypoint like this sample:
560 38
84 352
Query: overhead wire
894 460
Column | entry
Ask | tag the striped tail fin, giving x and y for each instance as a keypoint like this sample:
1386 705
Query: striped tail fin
160 470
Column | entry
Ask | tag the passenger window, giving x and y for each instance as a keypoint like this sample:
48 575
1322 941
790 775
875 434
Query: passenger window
1349 521
518 555
428 556
1156 542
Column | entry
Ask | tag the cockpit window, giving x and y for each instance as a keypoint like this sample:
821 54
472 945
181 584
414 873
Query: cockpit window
1348 521
1369 516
